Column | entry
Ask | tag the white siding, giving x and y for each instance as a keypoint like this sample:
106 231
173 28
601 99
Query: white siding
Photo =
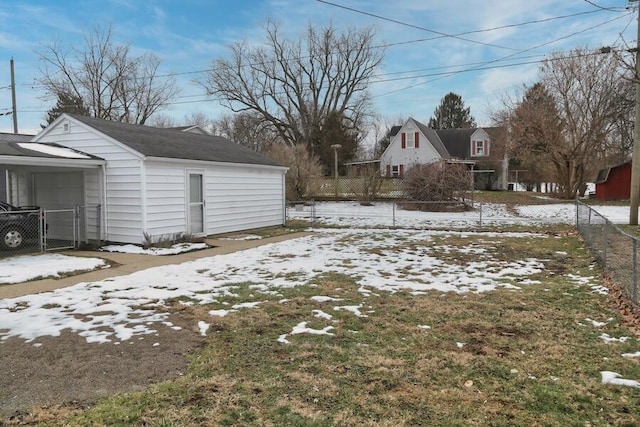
237 197
123 213
242 198
395 155
165 200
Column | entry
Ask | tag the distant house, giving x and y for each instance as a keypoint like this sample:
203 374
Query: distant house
480 148
147 180
614 183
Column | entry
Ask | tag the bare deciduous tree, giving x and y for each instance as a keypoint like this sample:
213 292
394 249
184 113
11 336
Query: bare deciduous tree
294 85
248 129
112 83
573 117
304 169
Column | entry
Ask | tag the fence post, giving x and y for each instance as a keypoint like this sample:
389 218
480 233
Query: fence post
481 214
394 214
634 285
99 224
42 215
605 242
313 212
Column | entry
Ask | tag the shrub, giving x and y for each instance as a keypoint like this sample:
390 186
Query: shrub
304 169
437 182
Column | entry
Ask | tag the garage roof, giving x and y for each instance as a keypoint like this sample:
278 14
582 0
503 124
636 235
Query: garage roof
176 144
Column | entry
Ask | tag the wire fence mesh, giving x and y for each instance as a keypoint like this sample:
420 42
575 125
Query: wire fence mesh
416 214
38 230
615 250
21 230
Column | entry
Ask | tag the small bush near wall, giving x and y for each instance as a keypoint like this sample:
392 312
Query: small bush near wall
168 240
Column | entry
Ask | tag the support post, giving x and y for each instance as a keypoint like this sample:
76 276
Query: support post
635 162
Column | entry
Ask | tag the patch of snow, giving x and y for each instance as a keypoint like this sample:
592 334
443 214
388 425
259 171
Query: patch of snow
203 327
28 267
460 344
355 309
595 323
609 339
424 327
322 298
609 377
219 313
253 304
243 237
322 315
178 248
631 355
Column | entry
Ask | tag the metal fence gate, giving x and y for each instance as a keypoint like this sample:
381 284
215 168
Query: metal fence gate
61 231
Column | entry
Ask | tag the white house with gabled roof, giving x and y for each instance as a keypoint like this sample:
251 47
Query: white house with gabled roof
148 181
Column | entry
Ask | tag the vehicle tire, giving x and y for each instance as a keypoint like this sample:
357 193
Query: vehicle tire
12 238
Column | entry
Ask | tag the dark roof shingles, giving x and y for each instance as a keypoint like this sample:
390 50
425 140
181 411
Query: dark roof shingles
175 144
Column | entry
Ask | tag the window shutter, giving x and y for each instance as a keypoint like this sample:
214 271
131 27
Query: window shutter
417 140
473 148
388 171
401 171
486 147
404 140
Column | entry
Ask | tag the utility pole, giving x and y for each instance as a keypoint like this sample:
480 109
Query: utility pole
336 147
13 99
635 161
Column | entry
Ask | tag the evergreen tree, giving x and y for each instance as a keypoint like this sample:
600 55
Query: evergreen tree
334 130
451 114
67 103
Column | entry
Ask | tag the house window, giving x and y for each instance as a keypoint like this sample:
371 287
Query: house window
410 140
395 171
480 147
65 127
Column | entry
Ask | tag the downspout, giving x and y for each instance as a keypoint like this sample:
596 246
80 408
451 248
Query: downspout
284 199
104 227
143 197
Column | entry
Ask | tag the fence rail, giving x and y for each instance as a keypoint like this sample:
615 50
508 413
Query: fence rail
615 250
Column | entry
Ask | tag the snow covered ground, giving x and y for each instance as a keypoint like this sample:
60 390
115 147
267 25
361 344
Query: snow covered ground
118 309
121 307
352 214
28 267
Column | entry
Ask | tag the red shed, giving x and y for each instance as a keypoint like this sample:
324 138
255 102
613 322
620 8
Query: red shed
614 183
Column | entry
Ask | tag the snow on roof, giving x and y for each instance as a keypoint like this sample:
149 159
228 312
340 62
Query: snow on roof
53 150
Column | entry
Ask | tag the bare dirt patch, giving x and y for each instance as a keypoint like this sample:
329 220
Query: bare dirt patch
67 371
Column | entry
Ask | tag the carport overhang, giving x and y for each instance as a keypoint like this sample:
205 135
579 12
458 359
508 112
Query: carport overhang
51 162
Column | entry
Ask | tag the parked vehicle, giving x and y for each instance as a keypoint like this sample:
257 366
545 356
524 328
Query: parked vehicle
19 225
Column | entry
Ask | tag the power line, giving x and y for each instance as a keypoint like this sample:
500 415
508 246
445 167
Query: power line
505 57
597 6
386 45
440 74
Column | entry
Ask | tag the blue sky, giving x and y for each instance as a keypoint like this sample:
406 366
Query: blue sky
189 34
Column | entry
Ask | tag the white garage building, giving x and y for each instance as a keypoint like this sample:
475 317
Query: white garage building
146 180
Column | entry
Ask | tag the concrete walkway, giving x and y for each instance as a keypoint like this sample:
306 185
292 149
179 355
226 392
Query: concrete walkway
130 263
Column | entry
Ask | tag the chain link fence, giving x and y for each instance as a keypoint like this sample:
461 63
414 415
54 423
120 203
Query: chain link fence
21 230
615 250
38 230
414 214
